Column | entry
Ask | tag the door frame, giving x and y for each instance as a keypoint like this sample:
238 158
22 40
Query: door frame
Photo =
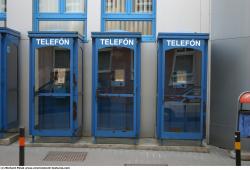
163 47
97 45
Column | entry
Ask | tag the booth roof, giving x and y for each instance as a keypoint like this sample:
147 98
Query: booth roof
174 35
6 30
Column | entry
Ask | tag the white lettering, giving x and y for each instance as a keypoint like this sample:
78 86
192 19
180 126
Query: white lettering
102 40
117 42
53 41
183 43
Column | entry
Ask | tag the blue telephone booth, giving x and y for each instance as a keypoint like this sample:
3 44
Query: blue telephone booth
116 84
56 61
9 49
182 85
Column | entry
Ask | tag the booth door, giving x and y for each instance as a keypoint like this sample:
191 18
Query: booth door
52 88
115 90
12 85
182 94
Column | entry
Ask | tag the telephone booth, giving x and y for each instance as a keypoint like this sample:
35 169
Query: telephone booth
116 84
56 61
9 51
182 85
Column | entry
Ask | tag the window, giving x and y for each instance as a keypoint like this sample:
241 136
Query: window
2 13
60 15
130 15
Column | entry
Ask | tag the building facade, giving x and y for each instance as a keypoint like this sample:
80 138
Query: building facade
229 68
147 17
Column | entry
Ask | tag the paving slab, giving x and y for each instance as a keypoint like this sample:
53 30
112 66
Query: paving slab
35 156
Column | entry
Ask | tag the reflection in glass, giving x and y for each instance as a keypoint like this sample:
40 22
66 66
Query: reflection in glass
62 26
12 85
2 24
115 6
115 77
52 70
115 71
142 6
182 98
115 113
52 112
75 6
52 88
47 6
145 27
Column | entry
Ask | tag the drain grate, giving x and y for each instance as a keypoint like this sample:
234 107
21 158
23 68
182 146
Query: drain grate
66 156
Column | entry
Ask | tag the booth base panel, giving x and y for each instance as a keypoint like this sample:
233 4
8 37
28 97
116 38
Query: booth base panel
142 144
9 138
40 139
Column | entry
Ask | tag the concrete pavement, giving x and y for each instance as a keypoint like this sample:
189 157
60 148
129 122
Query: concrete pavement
98 156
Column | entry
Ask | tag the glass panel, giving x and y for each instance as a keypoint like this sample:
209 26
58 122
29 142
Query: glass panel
52 112
12 86
62 26
115 76
142 6
115 113
116 71
182 98
52 74
145 27
47 6
2 24
75 6
2 6
115 6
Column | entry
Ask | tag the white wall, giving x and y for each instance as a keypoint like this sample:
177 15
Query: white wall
230 28
183 16
172 16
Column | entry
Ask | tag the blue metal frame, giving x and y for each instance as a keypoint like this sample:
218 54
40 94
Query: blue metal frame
128 15
60 16
75 39
162 48
136 37
7 37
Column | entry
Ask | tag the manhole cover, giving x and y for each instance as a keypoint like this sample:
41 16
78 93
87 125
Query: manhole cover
66 156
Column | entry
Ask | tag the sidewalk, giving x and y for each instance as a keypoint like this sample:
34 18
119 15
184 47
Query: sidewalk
97 156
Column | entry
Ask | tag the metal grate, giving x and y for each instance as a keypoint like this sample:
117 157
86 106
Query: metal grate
66 156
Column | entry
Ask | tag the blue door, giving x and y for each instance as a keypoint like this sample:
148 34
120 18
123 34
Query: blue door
116 103
9 79
11 102
115 90
52 88
182 85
